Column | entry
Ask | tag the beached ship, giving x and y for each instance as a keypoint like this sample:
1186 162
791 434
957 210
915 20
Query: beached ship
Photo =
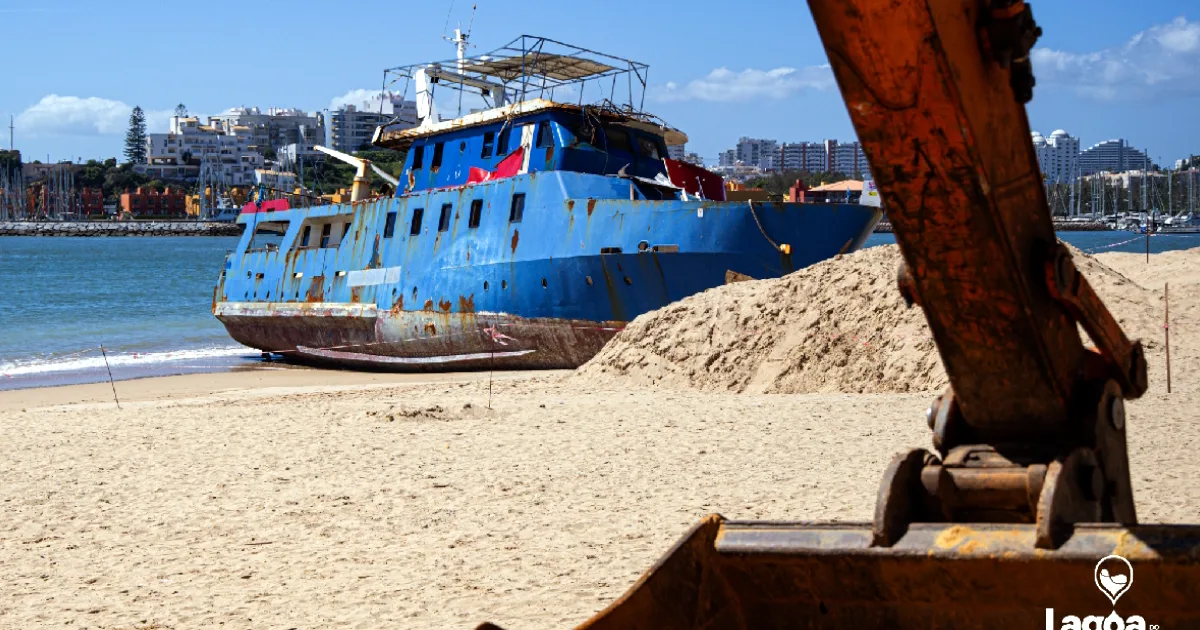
524 233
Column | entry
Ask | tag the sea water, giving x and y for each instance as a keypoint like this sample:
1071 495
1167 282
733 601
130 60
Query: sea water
148 302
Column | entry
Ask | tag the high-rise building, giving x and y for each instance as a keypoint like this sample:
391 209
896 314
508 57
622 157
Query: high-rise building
757 152
1058 156
804 156
849 159
353 126
676 152
1111 155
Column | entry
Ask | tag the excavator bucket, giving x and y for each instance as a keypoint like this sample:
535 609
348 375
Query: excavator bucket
744 575
1024 517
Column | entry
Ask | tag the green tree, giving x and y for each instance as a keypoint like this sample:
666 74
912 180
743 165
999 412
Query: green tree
135 138
269 153
181 110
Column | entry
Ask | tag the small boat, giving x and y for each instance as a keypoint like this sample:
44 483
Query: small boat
524 234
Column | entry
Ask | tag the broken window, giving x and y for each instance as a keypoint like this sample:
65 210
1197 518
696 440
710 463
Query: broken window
267 236
389 225
545 135
418 157
437 156
502 142
518 208
416 221
444 220
476 213
489 144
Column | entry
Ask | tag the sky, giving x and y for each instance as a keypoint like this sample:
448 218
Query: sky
71 70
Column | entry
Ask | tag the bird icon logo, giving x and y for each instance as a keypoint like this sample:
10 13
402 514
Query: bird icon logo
1114 577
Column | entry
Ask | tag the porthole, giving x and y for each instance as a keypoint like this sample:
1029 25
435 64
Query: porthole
544 283
504 284
643 246
414 293
485 285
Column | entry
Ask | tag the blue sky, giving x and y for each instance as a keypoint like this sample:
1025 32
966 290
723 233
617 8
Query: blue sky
70 70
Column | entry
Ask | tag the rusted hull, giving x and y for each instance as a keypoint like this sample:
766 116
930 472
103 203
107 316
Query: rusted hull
357 336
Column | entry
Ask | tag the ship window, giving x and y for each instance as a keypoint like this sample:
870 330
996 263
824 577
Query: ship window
305 236
502 142
437 156
518 208
325 231
389 226
489 144
476 213
418 157
647 148
416 221
616 139
444 220
267 236
544 136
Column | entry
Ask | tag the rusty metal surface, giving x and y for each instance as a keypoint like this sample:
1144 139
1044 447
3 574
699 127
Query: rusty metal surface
949 146
730 574
358 335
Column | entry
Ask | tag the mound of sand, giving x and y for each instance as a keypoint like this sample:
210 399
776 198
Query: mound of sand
837 326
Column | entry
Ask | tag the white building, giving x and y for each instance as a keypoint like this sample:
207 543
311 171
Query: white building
693 158
1111 155
757 152
352 127
275 180
804 156
1058 156
274 128
179 153
676 152
727 158
848 159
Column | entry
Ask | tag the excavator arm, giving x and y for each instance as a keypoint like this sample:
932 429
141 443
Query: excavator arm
1028 485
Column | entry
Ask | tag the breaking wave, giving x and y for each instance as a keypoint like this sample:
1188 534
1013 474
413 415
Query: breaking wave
92 359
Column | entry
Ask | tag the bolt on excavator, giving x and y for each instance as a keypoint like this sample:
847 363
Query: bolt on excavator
1006 521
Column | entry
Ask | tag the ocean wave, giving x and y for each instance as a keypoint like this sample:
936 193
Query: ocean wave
93 360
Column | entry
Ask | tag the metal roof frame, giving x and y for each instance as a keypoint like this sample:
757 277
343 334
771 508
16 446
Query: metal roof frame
532 67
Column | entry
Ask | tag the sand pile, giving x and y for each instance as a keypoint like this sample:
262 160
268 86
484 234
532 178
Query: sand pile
837 326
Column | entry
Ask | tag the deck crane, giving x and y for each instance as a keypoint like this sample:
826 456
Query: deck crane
1027 489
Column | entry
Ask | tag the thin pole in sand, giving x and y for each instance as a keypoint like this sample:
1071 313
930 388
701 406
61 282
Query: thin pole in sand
110 378
1167 331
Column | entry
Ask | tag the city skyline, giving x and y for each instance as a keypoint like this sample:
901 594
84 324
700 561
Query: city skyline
1131 73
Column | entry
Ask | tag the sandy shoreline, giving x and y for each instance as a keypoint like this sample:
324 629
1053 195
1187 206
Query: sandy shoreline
317 499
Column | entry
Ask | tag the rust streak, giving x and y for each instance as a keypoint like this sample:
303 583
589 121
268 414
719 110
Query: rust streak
429 305
444 305
466 304
591 206
516 236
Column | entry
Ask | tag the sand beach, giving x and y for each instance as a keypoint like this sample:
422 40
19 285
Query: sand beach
306 498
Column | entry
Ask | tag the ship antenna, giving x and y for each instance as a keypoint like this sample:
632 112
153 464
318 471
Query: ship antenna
447 24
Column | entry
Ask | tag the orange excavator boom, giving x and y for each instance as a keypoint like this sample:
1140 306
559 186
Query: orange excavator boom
1027 489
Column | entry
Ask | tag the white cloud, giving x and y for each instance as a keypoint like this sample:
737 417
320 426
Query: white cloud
724 85
1162 61
56 115
353 97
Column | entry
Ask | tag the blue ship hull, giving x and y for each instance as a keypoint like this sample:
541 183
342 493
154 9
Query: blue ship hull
543 289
